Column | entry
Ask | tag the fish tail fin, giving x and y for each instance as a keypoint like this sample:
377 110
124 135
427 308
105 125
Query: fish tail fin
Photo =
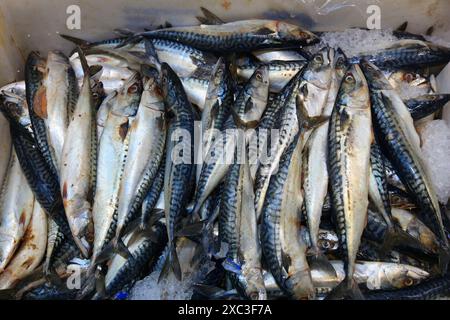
171 263
191 229
209 17
395 236
121 248
347 289
79 42
319 261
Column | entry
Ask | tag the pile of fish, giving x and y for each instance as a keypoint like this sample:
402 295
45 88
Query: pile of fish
294 170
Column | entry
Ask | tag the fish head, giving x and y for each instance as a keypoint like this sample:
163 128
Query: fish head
170 86
318 70
301 285
375 77
219 75
354 88
253 282
293 33
128 97
98 92
152 94
57 59
259 84
340 63
401 275
14 108
401 78
328 240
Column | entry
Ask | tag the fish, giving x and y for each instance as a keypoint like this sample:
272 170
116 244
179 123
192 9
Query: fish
416 228
180 168
407 53
122 272
248 107
315 172
147 138
314 80
17 202
58 97
282 247
185 60
280 72
235 36
30 252
78 165
103 111
427 290
268 55
349 141
425 105
238 229
401 144
34 81
112 151
196 88
153 195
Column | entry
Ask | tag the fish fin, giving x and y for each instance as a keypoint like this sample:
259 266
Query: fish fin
444 258
121 248
95 72
124 32
83 61
209 17
402 27
190 230
430 31
171 263
320 262
130 41
304 120
8 294
198 252
79 42
346 290
396 236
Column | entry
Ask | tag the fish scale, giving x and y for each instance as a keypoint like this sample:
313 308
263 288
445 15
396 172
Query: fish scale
34 80
270 224
401 156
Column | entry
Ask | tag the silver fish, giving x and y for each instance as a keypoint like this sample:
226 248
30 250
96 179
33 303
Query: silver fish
31 251
349 140
111 156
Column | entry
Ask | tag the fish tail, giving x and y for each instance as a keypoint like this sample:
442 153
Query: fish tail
395 236
79 42
347 289
320 262
171 263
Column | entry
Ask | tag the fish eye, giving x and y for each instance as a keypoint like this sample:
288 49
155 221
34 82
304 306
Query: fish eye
134 88
318 58
349 78
326 244
254 296
409 77
259 76
95 95
408 282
